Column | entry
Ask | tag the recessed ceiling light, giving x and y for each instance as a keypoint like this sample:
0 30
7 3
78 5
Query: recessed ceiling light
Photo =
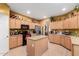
64 9
28 12
44 16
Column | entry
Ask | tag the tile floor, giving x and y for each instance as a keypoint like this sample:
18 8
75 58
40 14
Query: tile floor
53 50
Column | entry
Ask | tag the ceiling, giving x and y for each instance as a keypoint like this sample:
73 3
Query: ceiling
39 10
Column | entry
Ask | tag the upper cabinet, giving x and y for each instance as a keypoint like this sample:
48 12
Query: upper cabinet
17 23
74 23
71 22
66 24
78 19
12 23
60 24
57 25
16 20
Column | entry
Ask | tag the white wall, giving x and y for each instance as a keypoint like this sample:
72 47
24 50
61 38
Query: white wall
4 34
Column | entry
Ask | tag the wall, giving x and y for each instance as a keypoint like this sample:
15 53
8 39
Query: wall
4 34
4 29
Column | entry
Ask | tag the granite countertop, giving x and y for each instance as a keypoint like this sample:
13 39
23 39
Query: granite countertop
37 37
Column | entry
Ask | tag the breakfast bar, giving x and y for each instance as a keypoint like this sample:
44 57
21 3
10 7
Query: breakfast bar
37 45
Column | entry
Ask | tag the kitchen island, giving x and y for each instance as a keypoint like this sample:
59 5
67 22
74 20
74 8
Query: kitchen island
37 45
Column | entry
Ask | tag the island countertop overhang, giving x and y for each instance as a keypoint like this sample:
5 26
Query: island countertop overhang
38 37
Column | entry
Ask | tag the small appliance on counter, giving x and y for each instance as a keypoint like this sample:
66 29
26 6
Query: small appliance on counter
14 32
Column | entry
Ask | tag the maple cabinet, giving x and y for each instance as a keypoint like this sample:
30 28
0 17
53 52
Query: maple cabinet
75 50
12 23
73 23
11 42
32 26
55 25
15 23
60 24
20 40
56 39
51 38
18 23
62 40
68 43
66 24
69 23
78 19
15 41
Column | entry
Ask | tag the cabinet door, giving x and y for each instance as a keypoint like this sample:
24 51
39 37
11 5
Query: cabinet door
61 24
74 22
53 25
76 50
66 24
50 26
56 39
18 23
68 43
11 43
78 19
32 25
15 41
12 23
19 40
24 22
70 23
56 25
62 39
51 38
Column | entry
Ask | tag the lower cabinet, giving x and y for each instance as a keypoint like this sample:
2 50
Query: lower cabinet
11 42
57 39
54 38
62 40
75 50
68 43
51 38
15 41
19 40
